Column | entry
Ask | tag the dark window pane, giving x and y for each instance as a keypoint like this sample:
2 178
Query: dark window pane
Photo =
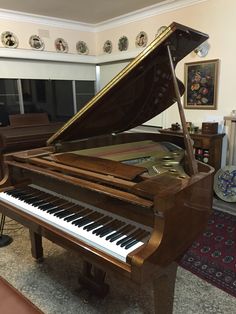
54 97
63 94
36 95
9 100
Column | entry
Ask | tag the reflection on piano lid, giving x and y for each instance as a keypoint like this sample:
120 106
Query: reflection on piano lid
147 181
138 93
25 131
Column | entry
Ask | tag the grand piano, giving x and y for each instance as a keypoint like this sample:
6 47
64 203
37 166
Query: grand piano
127 202
25 131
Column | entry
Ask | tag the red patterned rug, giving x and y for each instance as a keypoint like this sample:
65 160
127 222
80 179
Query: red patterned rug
212 256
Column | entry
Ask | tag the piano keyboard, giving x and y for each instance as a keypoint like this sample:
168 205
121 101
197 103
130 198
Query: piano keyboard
105 231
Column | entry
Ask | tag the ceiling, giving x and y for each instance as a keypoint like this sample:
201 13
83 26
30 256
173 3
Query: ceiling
85 11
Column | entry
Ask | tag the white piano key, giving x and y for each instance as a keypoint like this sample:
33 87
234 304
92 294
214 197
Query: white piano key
80 233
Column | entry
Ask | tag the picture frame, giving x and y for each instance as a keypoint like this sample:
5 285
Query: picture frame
201 83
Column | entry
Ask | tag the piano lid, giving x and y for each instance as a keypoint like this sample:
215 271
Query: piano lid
142 90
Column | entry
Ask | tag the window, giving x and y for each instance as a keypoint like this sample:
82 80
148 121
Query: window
84 92
9 100
52 96
55 97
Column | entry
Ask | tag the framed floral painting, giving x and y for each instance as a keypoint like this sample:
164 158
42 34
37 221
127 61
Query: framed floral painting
201 79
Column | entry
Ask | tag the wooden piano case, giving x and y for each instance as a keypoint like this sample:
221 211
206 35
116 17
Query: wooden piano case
25 131
151 180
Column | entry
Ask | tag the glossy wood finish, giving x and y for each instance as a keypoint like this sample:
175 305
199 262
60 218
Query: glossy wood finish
168 200
28 119
142 90
25 132
175 207
163 289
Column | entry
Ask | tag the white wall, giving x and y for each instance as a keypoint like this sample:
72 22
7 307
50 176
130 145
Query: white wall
48 70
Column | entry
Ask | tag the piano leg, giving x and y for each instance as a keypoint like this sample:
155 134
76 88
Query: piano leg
163 289
36 246
93 279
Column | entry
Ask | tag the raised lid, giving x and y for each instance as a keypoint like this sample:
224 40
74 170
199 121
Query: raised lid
142 90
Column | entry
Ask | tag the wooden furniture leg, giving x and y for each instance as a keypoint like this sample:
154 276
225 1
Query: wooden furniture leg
36 246
4 239
93 279
163 289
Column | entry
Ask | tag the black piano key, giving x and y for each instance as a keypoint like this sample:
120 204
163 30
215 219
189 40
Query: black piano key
77 221
89 219
59 206
98 223
132 243
55 209
18 195
105 227
37 198
62 214
72 209
47 204
67 211
42 200
81 218
22 196
128 240
120 233
28 198
136 235
15 192
106 232
112 228
22 192
76 216
143 235
31 199
128 237
72 217
83 222
34 200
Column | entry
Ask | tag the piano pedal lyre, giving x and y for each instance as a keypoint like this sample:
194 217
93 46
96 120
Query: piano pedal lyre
93 280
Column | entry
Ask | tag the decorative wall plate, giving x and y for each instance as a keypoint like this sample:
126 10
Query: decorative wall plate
141 39
61 45
36 42
161 30
225 183
123 43
82 47
9 40
107 47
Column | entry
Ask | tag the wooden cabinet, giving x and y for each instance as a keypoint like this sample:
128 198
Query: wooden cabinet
207 147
